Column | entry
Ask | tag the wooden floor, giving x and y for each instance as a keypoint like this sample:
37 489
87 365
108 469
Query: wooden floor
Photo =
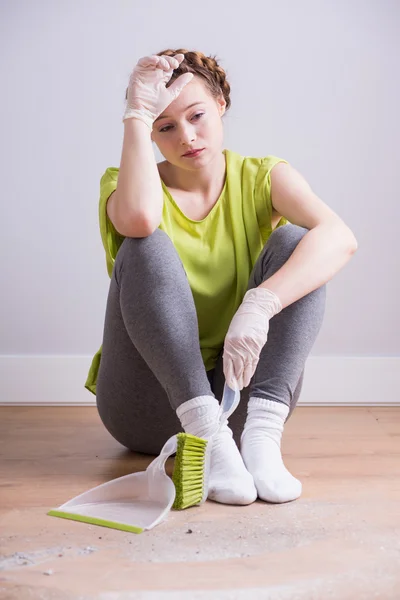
341 539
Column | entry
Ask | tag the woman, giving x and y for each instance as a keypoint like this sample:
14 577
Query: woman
210 256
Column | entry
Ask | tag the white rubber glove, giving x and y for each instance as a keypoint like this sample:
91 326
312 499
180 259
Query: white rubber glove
147 95
247 335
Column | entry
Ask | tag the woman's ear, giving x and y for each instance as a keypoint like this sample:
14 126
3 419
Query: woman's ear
222 105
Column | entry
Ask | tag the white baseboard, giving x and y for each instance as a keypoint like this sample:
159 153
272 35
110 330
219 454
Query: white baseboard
329 381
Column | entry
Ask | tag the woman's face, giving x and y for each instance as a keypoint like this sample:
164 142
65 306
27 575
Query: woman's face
184 129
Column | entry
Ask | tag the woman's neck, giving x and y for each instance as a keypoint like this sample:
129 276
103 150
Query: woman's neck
203 182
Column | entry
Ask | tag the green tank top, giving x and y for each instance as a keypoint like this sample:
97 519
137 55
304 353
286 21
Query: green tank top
218 252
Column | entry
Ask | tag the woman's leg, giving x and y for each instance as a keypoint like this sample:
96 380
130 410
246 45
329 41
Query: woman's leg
276 384
238 419
151 354
151 361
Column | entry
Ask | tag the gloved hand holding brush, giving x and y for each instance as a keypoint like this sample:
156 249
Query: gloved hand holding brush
247 335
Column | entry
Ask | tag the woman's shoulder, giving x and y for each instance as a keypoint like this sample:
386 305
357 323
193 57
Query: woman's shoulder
110 173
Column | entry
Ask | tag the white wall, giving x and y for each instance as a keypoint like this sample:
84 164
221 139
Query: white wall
315 82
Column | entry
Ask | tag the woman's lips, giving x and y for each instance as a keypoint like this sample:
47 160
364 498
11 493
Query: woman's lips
193 154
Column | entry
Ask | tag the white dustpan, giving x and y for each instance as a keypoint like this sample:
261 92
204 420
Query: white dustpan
138 501
133 502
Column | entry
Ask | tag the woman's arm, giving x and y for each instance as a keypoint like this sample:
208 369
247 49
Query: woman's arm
322 252
135 208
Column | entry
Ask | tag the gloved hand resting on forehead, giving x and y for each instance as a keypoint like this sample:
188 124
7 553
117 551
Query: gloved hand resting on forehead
147 94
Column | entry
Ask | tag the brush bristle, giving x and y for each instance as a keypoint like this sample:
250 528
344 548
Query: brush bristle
189 470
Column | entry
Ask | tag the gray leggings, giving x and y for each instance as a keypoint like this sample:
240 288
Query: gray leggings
151 361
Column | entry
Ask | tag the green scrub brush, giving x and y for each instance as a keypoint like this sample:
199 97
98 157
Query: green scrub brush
192 461
189 475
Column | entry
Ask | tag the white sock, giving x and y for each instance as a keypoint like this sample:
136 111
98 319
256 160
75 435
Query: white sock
229 481
261 451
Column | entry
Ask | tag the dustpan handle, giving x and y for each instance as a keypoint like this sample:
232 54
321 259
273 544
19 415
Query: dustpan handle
169 448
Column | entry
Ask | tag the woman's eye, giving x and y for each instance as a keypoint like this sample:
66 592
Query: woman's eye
164 129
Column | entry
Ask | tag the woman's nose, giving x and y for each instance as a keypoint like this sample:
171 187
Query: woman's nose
187 134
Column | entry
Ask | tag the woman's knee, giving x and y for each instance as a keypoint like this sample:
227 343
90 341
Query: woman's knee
287 237
277 250
146 256
140 248
280 246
